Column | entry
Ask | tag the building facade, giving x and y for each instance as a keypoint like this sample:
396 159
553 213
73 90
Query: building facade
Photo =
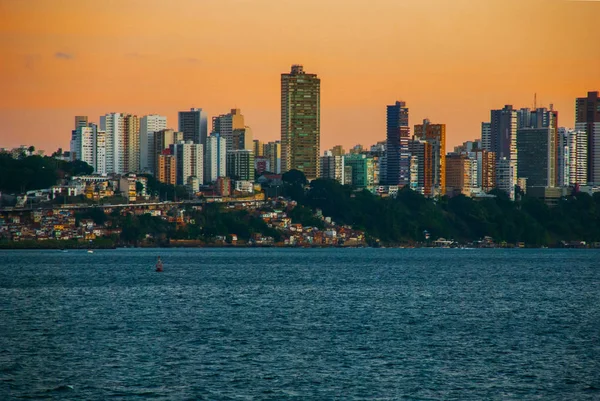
587 119
537 156
240 165
148 126
300 122
397 137
215 158
193 125
332 167
225 124
189 159
435 135
423 151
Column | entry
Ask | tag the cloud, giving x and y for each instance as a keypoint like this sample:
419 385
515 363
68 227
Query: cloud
64 56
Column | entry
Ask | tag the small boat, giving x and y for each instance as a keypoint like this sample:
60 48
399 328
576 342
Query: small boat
90 251
159 265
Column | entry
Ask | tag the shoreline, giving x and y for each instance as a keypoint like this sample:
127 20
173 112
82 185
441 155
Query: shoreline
43 245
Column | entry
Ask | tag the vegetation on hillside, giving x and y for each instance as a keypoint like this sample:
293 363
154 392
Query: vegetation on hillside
36 172
406 217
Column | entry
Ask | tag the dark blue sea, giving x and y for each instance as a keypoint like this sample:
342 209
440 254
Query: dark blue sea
279 324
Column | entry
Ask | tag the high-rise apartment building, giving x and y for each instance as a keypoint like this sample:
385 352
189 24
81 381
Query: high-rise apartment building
83 144
189 158
435 135
131 131
122 142
337 150
587 119
225 124
572 157
540 118
240 165
166 167
486 170
163 139
81 121
100 152
194 125
537 156
503 127
423 151
300 122
215 158
486 137
259 148
363 173
505 176
332 167
397 137
461 174
242 139
272 151
149 125
113 124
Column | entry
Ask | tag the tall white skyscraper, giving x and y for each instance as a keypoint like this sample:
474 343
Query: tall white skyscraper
113 125
82 144
122 142
572 156
215 158
148 126
100 152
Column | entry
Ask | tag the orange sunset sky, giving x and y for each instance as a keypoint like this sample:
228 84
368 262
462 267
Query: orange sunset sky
451 61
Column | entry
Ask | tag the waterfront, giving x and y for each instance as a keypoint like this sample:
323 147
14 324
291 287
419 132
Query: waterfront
432 324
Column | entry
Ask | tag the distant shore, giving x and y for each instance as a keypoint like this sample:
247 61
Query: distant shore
109 244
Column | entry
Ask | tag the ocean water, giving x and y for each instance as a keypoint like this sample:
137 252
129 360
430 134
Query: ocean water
322 324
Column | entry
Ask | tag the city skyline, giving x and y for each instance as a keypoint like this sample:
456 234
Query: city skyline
457 68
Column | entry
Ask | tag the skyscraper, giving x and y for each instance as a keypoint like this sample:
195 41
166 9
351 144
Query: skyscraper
166 167
332 167
435 135
131 131
423 151
397 137
461 174
148 126
189 161
300 122
81 121
537 151
587 118
362 170
259 148
242 139
215 158
486 136
273 153
82 146
194 125
113 125
537 135
572 157
225 124
163 139
503 128
240 165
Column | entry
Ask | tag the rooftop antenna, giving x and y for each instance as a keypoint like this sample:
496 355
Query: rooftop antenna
535 101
